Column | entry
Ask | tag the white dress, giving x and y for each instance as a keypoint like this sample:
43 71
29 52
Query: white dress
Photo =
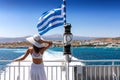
37 71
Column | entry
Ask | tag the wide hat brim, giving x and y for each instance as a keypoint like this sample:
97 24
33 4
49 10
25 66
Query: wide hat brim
35 43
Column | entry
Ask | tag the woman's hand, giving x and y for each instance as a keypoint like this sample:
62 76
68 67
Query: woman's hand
17 60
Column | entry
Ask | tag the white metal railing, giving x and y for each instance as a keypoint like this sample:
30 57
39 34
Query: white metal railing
55 70
21 70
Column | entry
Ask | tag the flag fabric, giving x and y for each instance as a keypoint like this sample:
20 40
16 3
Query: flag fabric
50 19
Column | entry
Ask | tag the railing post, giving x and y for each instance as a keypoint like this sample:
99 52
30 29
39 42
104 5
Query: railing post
67 66
18 77
113 71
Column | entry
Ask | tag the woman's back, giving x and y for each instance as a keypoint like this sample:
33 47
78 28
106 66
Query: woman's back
36 57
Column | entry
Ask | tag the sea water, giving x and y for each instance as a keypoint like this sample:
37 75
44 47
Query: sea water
92 53
82 53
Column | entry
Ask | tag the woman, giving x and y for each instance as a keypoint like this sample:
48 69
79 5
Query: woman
37 67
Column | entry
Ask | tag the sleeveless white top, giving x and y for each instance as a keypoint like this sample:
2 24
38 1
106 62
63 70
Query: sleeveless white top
36 55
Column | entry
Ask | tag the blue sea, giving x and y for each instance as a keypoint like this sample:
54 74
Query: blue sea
83 53
92 53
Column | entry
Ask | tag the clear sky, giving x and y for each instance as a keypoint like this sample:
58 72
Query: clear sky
91 18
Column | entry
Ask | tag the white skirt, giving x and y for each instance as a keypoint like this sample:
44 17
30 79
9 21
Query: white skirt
37 72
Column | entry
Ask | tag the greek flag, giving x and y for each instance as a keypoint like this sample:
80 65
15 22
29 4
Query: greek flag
50 19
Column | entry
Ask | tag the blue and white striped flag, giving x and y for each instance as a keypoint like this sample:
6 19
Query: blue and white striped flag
50 19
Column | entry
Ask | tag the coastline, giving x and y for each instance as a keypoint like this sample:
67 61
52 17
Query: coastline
25 44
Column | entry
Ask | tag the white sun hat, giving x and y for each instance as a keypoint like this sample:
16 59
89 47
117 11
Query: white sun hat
34 40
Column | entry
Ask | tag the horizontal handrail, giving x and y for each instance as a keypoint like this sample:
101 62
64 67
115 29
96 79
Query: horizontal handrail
30 61
96 60
114 60
74 62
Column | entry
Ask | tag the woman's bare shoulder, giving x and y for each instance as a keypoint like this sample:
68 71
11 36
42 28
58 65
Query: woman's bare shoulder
30 49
